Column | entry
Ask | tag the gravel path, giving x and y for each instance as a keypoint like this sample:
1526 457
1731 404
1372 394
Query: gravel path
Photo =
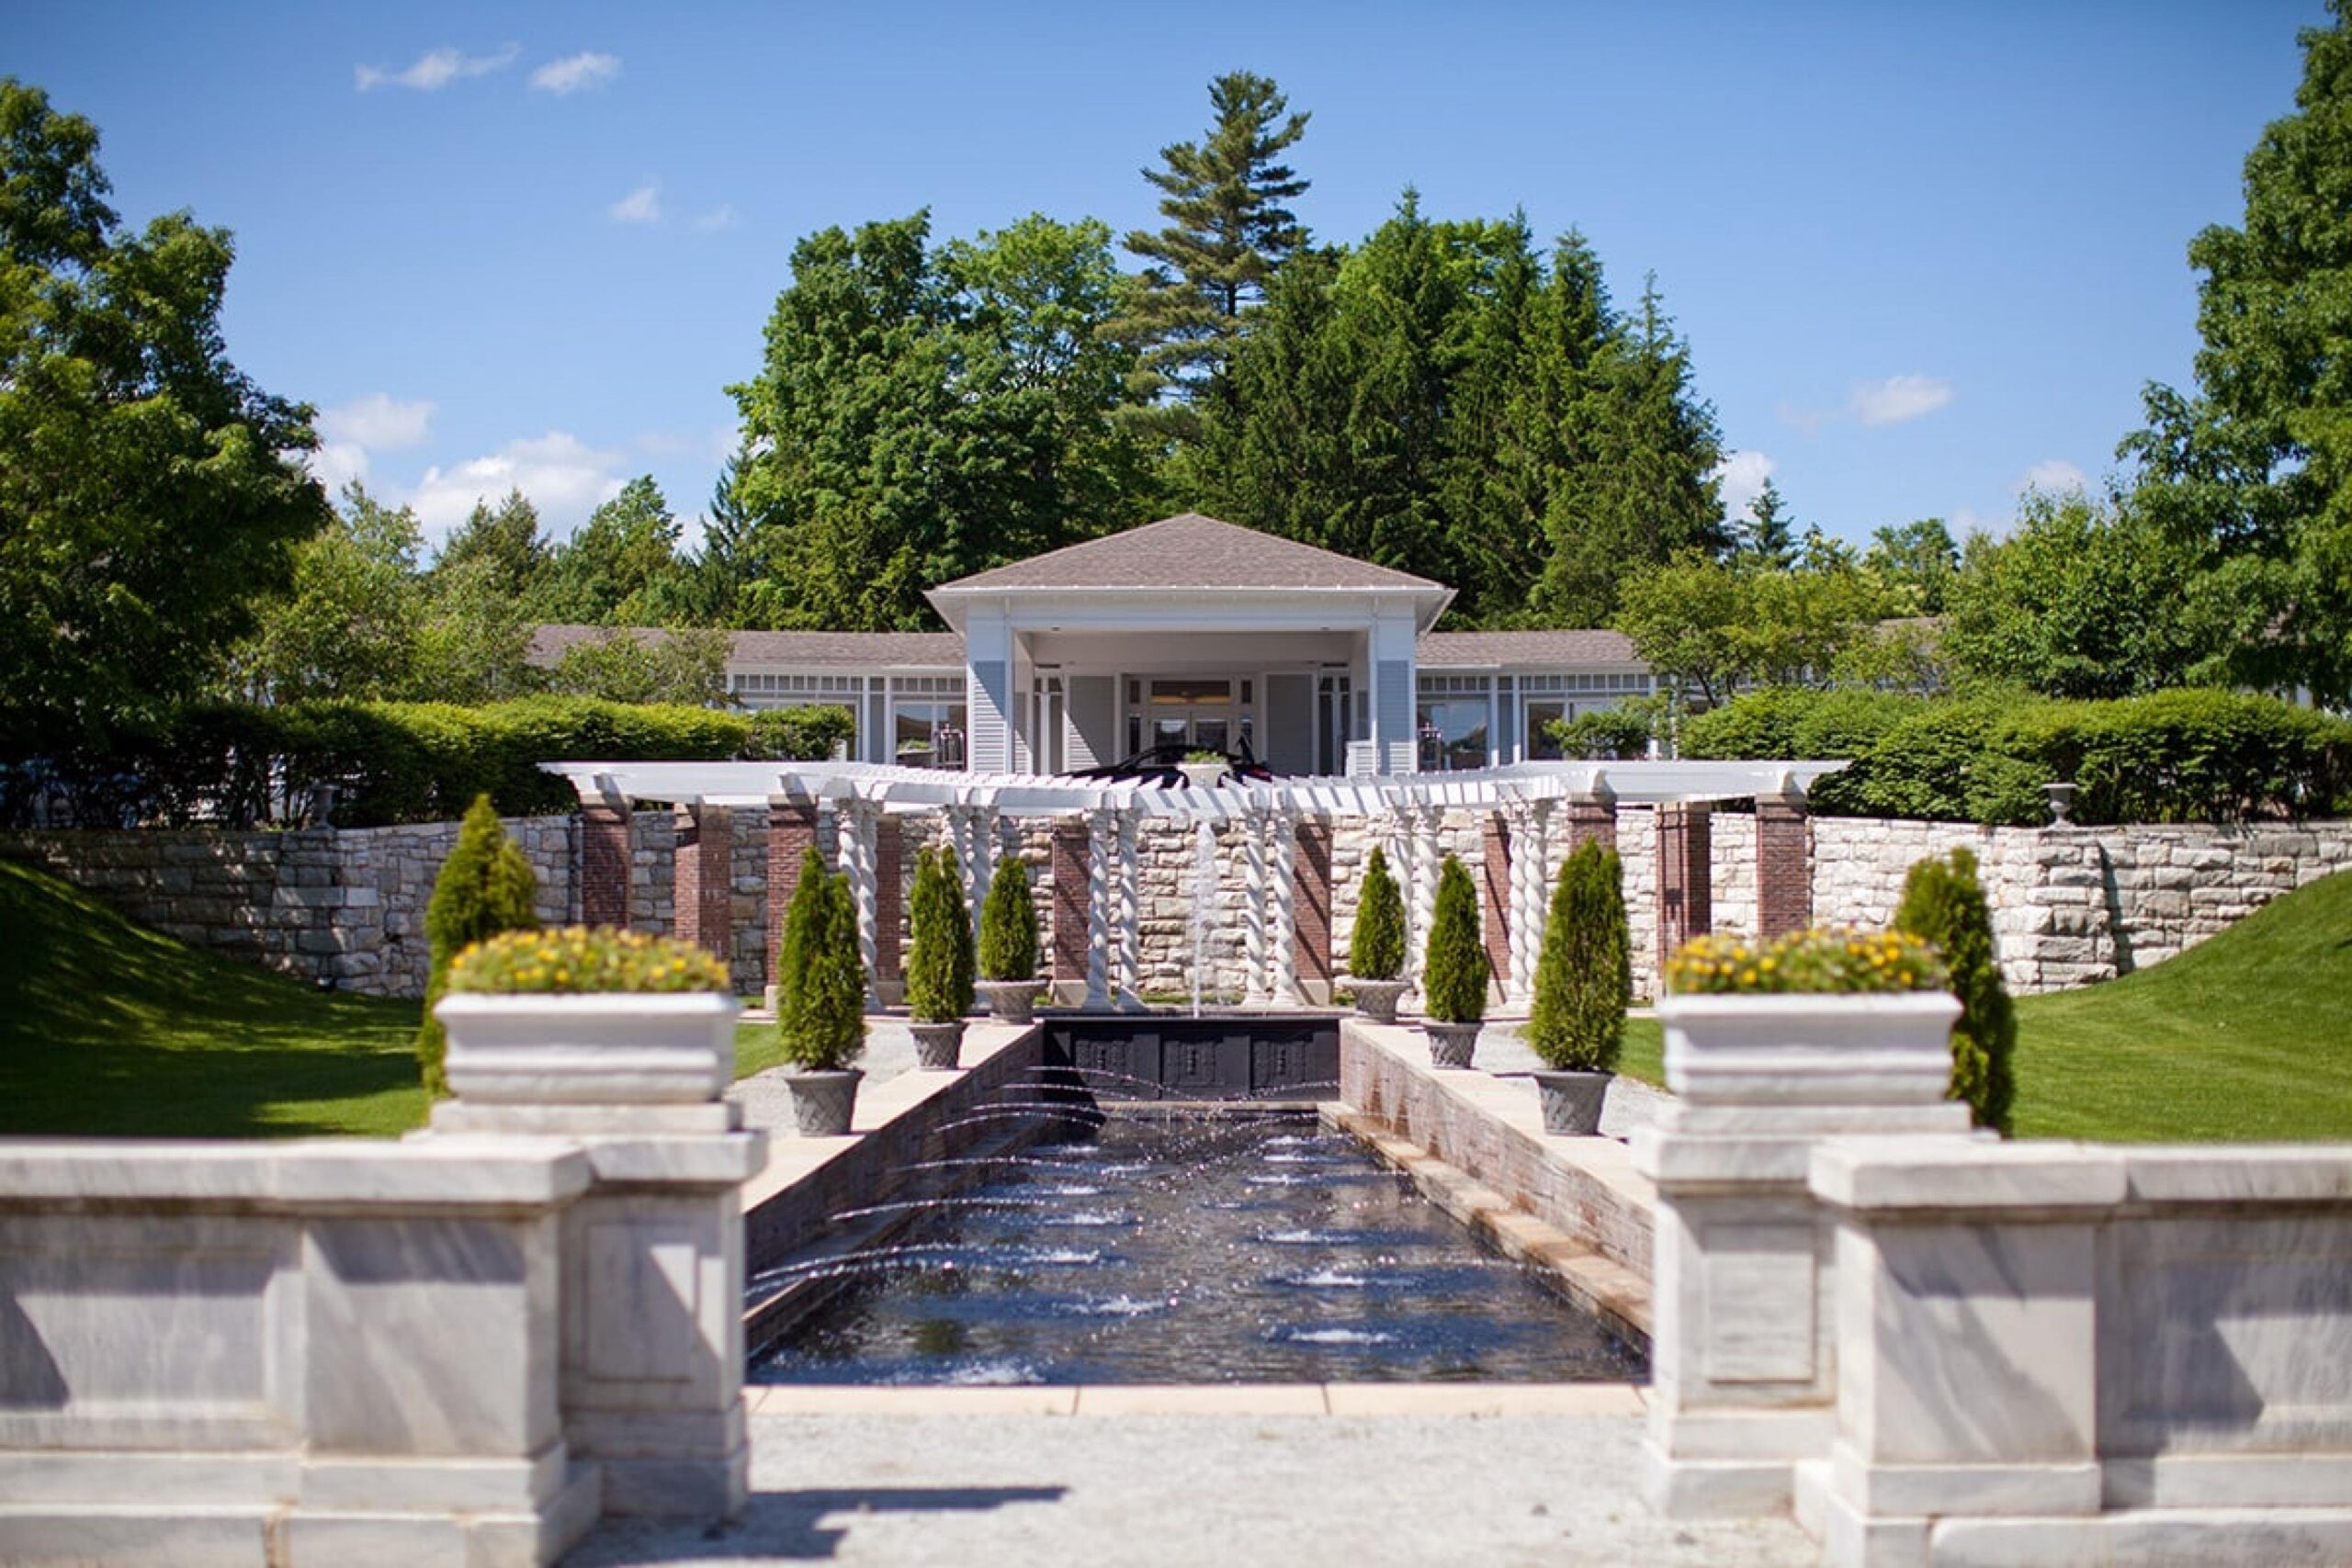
958 1492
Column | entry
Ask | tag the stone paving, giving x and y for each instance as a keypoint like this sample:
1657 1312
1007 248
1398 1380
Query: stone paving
1366 1491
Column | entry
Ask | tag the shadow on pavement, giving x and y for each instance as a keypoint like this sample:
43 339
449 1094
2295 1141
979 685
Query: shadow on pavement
785 1524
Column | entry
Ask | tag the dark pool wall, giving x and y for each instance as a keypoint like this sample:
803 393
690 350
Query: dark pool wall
1234 1057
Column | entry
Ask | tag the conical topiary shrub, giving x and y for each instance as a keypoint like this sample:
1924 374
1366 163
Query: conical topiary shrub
1008 925
939 964
484 887
820 980
1943 903
1583 979
1453 970
1377 946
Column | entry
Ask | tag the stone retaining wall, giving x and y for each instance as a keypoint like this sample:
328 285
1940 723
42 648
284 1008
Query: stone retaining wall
346 907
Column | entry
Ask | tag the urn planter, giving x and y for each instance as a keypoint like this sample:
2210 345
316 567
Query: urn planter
938 1042
1451 1045
1201 775
823 1101
1572 1100
592 1049
1010 1002
1375 999
1790 1050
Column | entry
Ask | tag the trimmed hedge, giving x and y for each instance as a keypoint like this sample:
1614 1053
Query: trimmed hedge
239 766
2174 756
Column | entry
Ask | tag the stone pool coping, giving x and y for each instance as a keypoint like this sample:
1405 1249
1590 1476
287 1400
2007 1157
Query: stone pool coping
1203 1399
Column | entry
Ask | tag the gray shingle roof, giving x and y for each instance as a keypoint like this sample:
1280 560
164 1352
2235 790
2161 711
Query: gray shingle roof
1191 551
1441 650
790 650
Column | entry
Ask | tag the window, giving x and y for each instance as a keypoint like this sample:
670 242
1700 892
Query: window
928 733
1453 733
1541 712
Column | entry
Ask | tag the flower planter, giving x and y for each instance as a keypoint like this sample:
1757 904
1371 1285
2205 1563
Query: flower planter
1819 1050
1201 775
1572 1100
1451 1045
597 1049
822 1103
938 1042
1010 1002
1375 999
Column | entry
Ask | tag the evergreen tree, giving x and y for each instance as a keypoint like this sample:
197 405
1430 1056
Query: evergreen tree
930 958
1766 539
484 887
1228 232
507 540
2256 466
1584 977
617 570
821 979
1453 966
1008 943
1377 946
1943 903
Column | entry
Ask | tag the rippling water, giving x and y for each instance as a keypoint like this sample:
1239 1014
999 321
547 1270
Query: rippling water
1216 1249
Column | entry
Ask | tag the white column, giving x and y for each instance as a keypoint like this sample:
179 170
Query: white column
1281 839
1126 979
1404 848
1258 972
1428 859
1531 855
857 818
1101 854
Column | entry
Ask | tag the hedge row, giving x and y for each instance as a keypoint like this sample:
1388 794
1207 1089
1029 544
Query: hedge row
2176 756
237 766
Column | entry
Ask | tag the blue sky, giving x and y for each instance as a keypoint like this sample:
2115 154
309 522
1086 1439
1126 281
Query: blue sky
1923 253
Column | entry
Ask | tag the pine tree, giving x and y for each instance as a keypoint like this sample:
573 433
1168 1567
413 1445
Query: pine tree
484 887
1376 947
1228 232
1584 976
1007 949
964 962
1943 903
939 979
1453 969
1768 539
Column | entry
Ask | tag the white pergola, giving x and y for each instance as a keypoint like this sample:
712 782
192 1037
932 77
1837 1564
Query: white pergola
1413 807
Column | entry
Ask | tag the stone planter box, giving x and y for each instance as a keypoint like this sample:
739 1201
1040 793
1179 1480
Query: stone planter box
1011 1001
1375 999
1451 1045
938 1042
603 1048
1809 1052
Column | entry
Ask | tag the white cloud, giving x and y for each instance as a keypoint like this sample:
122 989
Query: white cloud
575 72
1899 398
435 69
1809 421
335 464
1743 475
2053 476
642 205
720 217
565 478
379 423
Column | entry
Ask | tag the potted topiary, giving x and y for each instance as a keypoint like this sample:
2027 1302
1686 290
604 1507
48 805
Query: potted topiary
1582 982
1203 768
820 999
1377 946
1008 954
1453 970
939 983
587 1016
1817 1021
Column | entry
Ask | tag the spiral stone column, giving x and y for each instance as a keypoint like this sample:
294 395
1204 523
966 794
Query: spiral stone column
858 817
1127 977
1256 971
1404 844
1101 850
1282 959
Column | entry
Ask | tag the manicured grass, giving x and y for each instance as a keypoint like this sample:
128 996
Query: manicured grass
1642 1050
109 1029
2245 1036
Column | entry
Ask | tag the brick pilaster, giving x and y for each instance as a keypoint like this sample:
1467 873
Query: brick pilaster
1311 888
890 898
1592 818
604 862
1685 876
1783 865
792 832
1494 889
1070 891
702 876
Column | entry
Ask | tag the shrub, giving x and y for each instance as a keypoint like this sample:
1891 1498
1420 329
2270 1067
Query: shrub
1609 734
820 978
484 887
1377 946
798 734
1781 722
1943 903
1827 960
1585 975
1008 925
582 959
939 970
1453 970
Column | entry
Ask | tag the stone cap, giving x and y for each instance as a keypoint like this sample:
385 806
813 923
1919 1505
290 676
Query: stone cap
346 1173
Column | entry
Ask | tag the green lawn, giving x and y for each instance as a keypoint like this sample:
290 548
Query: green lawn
2246 1036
